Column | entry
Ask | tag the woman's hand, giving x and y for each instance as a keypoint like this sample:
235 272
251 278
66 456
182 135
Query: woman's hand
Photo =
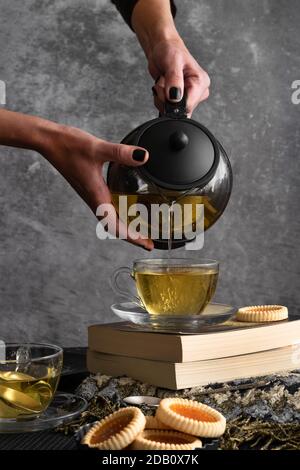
170 63
78 156
175 72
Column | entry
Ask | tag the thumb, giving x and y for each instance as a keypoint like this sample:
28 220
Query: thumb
174 83
125 154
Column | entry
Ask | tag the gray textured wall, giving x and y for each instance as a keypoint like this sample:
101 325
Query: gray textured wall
76 62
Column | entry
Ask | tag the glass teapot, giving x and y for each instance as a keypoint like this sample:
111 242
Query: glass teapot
186 166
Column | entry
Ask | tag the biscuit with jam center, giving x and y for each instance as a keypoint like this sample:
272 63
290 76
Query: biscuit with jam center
191 417
117 431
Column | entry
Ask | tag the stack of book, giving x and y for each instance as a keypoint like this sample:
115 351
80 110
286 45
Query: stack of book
177 361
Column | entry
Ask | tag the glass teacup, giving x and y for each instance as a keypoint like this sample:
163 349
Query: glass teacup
176 286
29 375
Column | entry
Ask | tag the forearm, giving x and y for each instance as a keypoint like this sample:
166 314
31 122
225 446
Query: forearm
153 22
29 132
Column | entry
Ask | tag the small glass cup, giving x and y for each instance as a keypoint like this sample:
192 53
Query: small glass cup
29 375
175 286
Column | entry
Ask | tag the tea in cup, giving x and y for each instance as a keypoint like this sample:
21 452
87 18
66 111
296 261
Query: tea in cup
174 286
29 375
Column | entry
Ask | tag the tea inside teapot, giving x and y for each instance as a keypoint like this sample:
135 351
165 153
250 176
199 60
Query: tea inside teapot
187 179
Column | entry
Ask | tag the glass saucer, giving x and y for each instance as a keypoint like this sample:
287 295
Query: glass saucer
213 314
63 408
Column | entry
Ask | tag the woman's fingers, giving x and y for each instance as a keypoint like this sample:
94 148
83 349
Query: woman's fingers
101 199
174 81
108 217
159 93
179 73
121 153
111 223
197 89
159 104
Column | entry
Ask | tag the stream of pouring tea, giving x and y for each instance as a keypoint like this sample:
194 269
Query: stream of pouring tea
170 224
171 218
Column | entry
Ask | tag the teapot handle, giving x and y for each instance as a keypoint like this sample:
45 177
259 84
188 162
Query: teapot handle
176 110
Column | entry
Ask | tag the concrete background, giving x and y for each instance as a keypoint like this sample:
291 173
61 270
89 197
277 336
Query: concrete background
78 63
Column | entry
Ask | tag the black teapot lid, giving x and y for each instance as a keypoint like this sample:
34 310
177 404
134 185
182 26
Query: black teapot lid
182 153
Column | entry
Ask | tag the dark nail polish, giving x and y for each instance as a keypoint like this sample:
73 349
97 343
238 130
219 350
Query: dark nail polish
154 91
174 93
139 155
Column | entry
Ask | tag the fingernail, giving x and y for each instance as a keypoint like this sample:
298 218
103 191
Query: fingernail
146 248
154 91
174 93
157 79
139 155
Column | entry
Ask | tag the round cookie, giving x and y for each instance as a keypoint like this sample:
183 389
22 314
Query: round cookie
191 417
116 431
262 313
154 439
153 423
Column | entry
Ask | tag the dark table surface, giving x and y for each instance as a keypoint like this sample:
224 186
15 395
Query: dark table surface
272 398
74 372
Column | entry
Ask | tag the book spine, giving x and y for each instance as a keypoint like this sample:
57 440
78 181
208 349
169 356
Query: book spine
166 348
159 374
